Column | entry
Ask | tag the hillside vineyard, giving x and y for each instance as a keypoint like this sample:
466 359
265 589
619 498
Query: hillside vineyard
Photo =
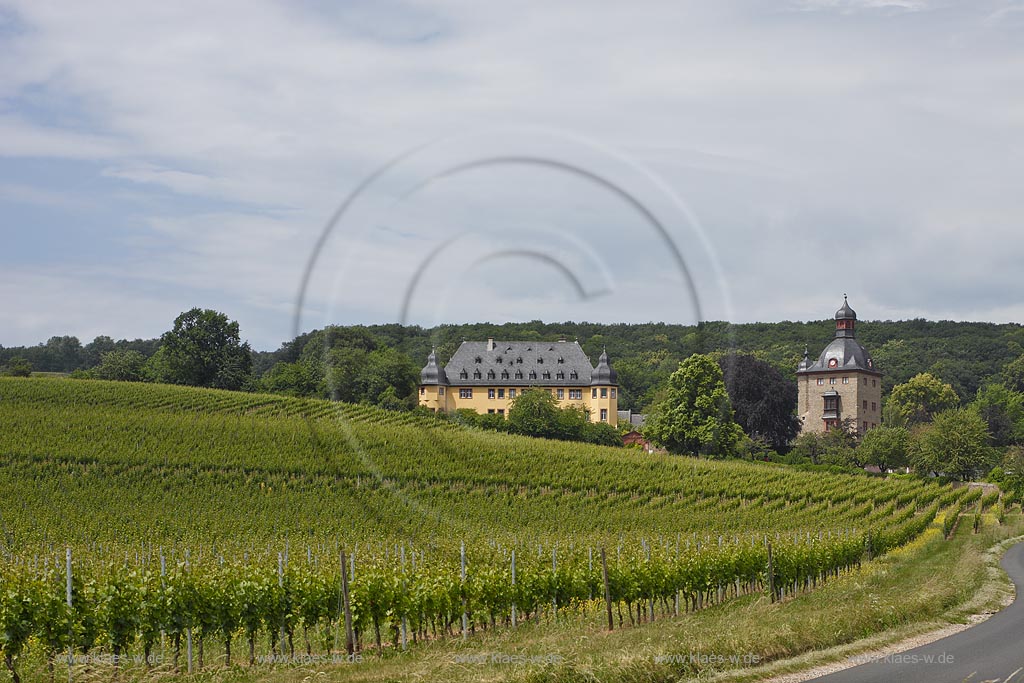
227 517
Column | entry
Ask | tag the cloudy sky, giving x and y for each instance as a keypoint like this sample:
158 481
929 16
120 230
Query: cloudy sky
296 163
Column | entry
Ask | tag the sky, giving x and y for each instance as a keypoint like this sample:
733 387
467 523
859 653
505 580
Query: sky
295 164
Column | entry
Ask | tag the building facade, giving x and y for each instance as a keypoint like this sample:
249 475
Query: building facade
843 384
487 377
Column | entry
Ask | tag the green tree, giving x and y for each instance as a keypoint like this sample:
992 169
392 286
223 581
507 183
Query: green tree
18 367
1013 374
696 415
918 399
122 366
1003 410
290 379
955 444
203 349
885 446
535 412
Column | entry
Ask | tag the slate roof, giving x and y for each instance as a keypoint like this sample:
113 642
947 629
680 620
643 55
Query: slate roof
518 364
846 352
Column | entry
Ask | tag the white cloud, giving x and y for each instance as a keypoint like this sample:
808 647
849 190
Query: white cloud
863 130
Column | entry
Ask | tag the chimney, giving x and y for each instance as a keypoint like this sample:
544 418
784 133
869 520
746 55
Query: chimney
490 343
561 340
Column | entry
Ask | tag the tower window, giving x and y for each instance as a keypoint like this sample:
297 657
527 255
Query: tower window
821 381
613 393
846 380
831 380
604 392
865 406
593 393
831 404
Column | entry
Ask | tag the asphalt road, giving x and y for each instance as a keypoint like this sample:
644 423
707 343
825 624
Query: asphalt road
989 652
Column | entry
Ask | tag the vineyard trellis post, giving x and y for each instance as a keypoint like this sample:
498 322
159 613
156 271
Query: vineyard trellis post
607 589
347 606
71 627
771 572
514 616
465 616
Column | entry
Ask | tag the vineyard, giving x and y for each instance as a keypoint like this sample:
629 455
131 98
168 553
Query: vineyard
198 523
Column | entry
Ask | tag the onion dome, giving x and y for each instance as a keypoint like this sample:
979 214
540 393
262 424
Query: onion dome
604 373
431 373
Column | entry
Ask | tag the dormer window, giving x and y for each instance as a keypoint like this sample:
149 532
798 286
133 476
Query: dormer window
499 359
490 374
476 374
533 374
479 360
560 360
519 374
463 374
574 375
504 374
540 361
519 360
547 374
561 375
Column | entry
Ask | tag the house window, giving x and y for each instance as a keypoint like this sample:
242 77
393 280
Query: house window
465 393
576 394
593 393
821 380
831 380
501 411
846 380
423 391
501 393
511 393
613 393
604 414
865 381
440 391
561 394
604 392
490 393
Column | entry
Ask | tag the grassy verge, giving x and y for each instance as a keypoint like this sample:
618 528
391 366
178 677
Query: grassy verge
928 584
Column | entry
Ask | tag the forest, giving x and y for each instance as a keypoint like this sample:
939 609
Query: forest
379 364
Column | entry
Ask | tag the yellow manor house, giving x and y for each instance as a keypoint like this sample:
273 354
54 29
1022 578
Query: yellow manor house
487 376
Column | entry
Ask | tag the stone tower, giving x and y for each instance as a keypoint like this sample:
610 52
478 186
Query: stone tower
843 384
